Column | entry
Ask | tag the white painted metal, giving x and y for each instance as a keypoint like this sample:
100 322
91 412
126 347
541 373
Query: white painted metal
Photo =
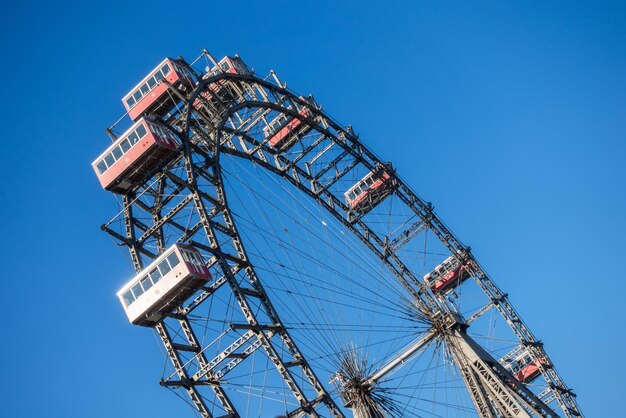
174 286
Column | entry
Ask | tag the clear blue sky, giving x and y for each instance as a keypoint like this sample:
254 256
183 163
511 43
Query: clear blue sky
509 116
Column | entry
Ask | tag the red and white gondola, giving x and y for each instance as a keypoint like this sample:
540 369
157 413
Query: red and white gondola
151 95
519 363
137 152
284 131
369 191
228 65
164 285
447 275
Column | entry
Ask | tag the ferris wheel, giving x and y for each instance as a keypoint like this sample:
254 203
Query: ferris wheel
290 271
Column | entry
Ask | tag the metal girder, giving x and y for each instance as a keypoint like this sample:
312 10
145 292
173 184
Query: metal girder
220 393
424 211
331 165
209 366
129 222
485 308
242 295
208 208
204 295
492 388
219 374
479 375
401 358
332 203
158 224
193 393
406 236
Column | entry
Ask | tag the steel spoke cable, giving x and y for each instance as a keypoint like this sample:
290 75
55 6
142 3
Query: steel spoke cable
280 185
392 305
333 270
314 260
185 400
327 316
265 237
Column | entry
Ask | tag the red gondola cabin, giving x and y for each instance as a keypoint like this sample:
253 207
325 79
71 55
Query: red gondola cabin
519 363
133 155
284 131
229 65
151 96
447 275
369 191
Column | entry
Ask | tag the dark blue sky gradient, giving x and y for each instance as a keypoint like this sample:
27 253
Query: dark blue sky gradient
509 116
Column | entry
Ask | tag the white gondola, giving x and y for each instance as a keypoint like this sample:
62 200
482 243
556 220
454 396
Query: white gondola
163 285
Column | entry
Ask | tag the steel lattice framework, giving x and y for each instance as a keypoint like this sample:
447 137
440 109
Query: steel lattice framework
190 182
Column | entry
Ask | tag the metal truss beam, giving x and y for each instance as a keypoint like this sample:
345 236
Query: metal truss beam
492 388
205 134
425 212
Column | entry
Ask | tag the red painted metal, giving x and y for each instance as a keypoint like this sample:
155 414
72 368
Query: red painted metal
450 279
228 65
282 135
147 152
155 96
361 198
528 372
